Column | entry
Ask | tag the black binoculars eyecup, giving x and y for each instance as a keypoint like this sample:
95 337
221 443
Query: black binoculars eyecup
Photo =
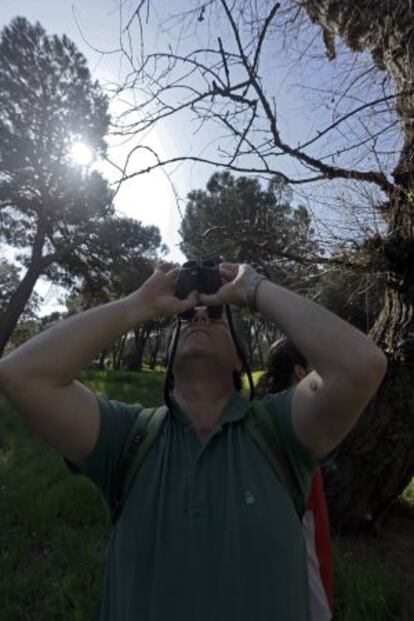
201 276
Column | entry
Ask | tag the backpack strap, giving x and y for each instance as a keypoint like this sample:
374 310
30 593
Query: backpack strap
148 425
266 435
144 431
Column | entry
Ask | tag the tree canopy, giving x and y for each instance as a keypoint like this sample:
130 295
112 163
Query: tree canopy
236 219
58 215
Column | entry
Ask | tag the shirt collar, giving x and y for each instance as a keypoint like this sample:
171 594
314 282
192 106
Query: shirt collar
236 409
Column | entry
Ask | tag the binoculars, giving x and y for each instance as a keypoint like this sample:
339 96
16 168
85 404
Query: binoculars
203 276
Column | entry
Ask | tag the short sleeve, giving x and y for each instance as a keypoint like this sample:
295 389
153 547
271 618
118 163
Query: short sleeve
279 406
116 419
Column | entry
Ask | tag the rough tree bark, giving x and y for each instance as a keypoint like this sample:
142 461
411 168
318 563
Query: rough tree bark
118 351
141 335
376 461
154 349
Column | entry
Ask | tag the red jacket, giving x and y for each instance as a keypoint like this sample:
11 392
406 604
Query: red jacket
318 542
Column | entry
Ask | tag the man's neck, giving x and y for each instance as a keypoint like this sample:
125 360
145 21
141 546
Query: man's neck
203 400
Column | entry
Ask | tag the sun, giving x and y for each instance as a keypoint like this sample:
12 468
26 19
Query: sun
81 154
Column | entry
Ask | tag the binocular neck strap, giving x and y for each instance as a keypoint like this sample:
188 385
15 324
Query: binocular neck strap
169 379
242 356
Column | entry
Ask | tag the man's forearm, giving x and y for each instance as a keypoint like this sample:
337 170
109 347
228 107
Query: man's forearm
61 352
330 345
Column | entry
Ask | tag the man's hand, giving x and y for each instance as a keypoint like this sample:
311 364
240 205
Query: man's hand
156 298
238 284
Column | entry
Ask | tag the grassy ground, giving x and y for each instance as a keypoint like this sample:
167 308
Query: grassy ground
54 530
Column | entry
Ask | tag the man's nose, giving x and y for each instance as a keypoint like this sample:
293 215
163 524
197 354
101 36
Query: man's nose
201 316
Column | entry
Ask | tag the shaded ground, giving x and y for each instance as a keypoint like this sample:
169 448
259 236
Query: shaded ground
395 541
392 545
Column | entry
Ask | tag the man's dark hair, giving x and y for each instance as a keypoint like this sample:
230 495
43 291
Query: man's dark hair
281 360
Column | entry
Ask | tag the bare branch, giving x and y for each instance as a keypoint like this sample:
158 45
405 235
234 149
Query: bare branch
349 115
330 172
223 56
174 160
136 13
262 36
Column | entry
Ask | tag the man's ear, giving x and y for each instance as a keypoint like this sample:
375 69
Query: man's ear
298 373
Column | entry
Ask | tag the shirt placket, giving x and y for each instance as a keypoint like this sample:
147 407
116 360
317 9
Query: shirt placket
197 502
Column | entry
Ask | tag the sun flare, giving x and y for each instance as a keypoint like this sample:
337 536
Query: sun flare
81 154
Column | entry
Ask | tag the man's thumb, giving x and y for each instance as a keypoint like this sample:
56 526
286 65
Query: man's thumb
209 299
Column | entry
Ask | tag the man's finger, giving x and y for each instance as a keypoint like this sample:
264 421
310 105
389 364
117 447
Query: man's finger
165 267
173 274
190 301
228 271
229 266
209 299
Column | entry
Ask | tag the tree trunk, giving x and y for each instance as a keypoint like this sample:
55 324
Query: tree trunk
113 351
102 359
141 336
155 350
257 329
20 297
376 461
120 351
260 356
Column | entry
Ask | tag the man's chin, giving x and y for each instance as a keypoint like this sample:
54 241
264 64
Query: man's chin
197 352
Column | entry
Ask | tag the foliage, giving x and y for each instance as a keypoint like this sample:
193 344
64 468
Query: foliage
9 280
59 214
238 220
121 257
408 494
356 296
47 102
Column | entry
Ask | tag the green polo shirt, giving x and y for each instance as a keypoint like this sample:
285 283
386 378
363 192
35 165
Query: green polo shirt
207 533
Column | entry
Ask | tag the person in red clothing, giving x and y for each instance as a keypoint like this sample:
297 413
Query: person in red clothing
285 367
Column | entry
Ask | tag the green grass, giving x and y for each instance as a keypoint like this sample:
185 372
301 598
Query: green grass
364 589
54 528
145 387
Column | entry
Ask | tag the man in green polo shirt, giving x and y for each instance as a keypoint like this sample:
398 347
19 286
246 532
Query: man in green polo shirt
207 533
